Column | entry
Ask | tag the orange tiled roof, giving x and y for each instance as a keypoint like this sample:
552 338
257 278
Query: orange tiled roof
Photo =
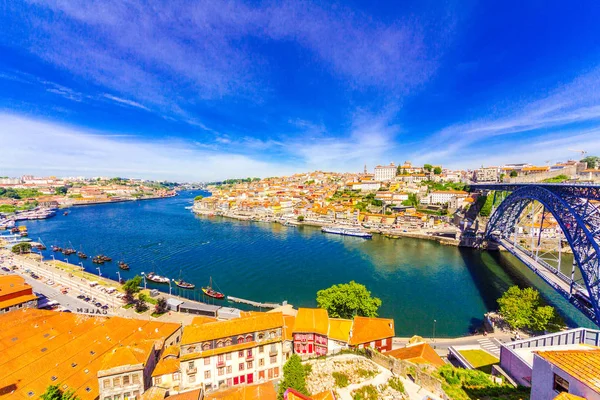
74 345
11 284
584 365
568 396
365 329
191 395
202 320
166 366
288 327
327 395
312 320
339 329
262 391
222 329
292 394
421 353
17 300
137 353
170 351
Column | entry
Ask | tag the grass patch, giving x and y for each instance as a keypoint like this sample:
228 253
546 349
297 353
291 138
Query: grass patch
479 359
396 384
341 379
368 392
156 315
365 373
128 305
466 384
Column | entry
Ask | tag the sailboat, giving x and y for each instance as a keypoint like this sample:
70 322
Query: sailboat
183 284
209 291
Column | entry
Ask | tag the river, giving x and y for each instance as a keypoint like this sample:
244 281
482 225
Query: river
419 281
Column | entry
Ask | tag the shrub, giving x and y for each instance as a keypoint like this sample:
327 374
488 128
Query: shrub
341 379
368 392
396 384
365 373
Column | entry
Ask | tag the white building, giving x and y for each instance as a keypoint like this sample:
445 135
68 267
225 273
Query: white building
385 173
368 186
487 174
443 197
230 353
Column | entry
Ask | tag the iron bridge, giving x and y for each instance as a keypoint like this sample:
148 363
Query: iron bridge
576 210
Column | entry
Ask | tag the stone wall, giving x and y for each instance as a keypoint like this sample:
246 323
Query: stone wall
408 370
570 171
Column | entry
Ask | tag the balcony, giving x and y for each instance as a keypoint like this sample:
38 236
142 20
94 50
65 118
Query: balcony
220 363
273 352
250 357
192 371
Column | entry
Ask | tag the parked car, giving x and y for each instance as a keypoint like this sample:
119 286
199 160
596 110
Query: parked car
5 269
104 307
34 276
86 299
81 296
98 304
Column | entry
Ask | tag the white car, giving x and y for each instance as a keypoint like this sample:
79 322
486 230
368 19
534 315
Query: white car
51 283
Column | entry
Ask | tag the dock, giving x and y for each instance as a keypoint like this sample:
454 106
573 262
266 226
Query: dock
253 303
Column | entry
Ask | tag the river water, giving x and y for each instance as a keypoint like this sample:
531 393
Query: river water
419 281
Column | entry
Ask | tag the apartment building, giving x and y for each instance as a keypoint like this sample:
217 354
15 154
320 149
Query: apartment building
15 294
230 353
385 173
487 174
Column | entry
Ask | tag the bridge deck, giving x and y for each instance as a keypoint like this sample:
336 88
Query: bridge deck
551 277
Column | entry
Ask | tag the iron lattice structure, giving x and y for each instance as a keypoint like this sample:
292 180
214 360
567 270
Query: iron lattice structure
578 217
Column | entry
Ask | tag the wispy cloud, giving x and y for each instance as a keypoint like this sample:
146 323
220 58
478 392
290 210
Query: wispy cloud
44 148
125 101
556 113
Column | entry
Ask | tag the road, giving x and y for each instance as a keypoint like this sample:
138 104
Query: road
491 342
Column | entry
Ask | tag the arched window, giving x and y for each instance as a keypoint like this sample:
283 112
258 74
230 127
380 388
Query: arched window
206 346
228 342
240 339
272 335
261 336
248 338
191 349
220 343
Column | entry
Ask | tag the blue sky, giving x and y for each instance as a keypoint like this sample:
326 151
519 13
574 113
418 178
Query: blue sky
217 89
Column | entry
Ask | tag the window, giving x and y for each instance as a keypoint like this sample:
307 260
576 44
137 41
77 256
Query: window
192 378
229 369
236 380
248 338
261 336
241 354
136 379
261 349
240 339
249 353
117 382
207 361
107 398
176 376
228 356
272 335
126 380
276 372
106 383
241 367
158 380
273 349
117 397
220 359
273 359
206 346
249 364
220 343
221 371
261 362
229 381
228 342
560 384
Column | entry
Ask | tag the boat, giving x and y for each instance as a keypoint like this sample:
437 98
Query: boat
183 284
103 258
97 260
209 291
56 248
82 255
157 278
123 265
347 231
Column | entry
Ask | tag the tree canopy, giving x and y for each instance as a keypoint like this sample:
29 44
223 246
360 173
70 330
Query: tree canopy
592 161
133 285
437 170
161 306
514 174
54 392
20 248
347 300
427 167
522 308
198 198
294 377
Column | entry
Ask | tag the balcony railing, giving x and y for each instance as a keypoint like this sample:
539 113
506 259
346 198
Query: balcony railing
273 352
192 371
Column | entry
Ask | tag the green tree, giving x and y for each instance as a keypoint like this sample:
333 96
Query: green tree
437 170
486 204
347 300
198 198
428 167
60 190
514 174
294 377
54 392
133 284
21 248
161 306
522 308
140 305
592 161
300 218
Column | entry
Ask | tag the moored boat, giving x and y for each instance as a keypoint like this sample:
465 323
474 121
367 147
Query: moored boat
157 278
209 291
347 231
81 254
123 265
183 284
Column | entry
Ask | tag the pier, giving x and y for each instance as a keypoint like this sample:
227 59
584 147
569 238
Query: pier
253 303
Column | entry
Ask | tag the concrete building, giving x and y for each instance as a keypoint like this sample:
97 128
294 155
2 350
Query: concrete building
216 354
385 173
517 358
576 372
487 174
15 294
444 196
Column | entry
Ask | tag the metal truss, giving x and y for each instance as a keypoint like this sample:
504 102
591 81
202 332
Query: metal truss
578 218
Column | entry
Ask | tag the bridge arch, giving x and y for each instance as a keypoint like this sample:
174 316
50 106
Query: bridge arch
576 216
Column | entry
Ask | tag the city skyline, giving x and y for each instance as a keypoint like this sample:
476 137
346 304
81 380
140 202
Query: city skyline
215 91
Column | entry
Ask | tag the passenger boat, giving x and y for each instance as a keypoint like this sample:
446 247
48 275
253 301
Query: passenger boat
123 265
82 255
347 231
157 278
209 291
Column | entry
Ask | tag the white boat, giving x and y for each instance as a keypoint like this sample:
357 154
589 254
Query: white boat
157 278
346 231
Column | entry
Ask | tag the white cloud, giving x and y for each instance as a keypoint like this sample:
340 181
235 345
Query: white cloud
48 148
126 102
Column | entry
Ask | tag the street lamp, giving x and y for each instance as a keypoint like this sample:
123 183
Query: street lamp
170 286
434 321
99 272
144 276
82 267
119 275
